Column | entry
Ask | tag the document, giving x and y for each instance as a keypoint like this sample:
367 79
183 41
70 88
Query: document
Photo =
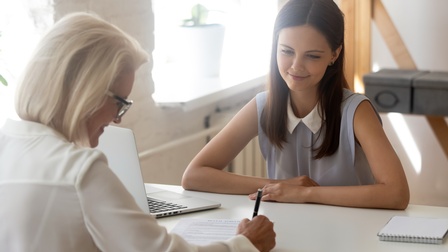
204 231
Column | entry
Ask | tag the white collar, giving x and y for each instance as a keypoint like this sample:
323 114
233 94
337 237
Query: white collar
313 120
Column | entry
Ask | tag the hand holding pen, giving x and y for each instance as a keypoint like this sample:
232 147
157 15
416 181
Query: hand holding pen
259 230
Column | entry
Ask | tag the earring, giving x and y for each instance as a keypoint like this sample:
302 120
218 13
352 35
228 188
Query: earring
331 63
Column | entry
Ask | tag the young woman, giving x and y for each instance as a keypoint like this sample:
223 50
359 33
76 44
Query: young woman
57 192
322 142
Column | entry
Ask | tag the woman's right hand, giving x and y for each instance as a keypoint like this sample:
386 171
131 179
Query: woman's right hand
260 231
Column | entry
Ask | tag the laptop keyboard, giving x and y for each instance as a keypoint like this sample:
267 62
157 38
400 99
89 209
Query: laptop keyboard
157 206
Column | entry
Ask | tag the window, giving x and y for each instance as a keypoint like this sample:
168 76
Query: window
21 26
245 50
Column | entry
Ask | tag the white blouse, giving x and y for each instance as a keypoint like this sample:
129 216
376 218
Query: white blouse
56 196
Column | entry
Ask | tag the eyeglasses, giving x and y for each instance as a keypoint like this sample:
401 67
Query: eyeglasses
123 104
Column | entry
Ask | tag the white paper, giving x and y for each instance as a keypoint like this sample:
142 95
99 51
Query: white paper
204 231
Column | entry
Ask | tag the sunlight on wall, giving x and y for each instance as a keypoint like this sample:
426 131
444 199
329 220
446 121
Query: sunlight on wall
375 67
407 140
359 87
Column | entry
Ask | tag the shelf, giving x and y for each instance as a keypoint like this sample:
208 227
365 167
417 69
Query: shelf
200 92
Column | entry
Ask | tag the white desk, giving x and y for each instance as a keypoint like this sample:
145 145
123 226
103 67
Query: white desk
316 228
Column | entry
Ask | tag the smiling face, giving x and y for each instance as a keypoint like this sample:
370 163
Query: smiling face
303 55
108 112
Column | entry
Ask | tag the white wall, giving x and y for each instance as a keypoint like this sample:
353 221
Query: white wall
423 26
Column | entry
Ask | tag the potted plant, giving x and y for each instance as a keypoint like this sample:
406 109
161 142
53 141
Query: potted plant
199 14
201 43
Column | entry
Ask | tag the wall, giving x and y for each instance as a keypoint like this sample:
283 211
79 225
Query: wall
426 40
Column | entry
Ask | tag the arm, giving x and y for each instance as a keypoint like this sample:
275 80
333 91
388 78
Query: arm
116 223
205 172
390 190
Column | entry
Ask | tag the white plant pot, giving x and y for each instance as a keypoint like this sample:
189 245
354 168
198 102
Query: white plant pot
200 49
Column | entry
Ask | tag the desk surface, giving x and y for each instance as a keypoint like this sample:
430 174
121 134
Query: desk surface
316 228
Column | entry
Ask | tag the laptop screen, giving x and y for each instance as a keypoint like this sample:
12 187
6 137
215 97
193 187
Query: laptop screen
118 144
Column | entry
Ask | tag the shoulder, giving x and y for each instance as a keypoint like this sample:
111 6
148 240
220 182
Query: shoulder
68 160
366 119
261 97
49 156
77 160
351 98
260 100
352 101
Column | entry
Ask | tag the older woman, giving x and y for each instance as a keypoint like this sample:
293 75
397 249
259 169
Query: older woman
57 192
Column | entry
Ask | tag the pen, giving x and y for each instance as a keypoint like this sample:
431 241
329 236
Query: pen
257 202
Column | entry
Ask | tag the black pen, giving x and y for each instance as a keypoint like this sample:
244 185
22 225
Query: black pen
257 202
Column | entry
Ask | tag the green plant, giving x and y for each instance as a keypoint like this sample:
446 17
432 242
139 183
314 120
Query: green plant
199 14
3 80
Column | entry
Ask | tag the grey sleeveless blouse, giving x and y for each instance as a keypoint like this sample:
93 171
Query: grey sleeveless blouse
347 166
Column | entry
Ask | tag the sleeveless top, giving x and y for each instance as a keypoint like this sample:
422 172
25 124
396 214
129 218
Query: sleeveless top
347 166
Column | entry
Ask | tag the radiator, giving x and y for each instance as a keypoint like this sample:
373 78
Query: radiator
249 161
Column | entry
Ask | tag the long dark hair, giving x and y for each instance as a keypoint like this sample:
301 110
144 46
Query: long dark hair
326 17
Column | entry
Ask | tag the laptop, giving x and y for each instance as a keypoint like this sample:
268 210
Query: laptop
118 144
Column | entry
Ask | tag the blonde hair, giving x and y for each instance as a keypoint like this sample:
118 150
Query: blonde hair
73 67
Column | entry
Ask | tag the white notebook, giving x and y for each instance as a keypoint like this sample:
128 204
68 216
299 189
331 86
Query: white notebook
414 229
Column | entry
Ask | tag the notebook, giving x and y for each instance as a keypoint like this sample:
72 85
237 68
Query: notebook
118 144
414 229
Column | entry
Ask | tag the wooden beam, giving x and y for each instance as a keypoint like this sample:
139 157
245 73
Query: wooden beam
357 40
363 38
440 129
348 8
